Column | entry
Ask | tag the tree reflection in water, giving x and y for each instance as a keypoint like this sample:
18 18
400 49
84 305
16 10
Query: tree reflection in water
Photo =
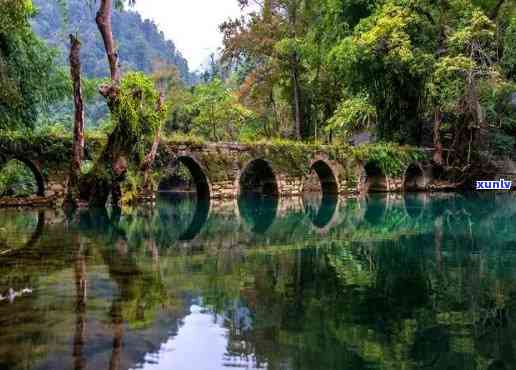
384 287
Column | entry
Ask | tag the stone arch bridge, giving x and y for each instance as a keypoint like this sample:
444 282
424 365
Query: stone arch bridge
227 170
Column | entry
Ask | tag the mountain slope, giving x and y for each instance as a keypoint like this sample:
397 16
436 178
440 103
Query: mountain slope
141 44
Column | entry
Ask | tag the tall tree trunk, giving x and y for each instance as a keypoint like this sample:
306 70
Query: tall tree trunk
438 147
151 156
78 131
297 106
275 113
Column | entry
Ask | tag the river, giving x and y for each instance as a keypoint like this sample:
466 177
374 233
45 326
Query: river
422 281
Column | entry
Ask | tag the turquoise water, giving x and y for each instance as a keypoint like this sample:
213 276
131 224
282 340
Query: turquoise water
382 282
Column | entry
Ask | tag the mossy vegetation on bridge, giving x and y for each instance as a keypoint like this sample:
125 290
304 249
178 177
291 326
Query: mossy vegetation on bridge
53 150
292 157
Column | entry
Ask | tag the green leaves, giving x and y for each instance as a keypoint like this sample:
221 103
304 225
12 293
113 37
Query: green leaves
353 115
474 32
393 159
14 15
448 81
508 61
28 75
217 113
136 118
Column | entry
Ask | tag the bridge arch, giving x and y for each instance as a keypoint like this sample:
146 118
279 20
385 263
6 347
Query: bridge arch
326 175
373 179
258 178
414 178
34 169
198 174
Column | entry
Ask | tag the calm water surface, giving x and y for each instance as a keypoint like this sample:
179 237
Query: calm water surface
383 282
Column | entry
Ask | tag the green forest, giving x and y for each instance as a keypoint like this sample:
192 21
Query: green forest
434 74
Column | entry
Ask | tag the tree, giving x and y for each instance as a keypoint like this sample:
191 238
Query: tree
78 131
271 40
137 113
28 76
217 113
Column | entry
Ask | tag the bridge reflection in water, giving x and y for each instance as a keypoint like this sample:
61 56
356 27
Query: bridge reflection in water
383 281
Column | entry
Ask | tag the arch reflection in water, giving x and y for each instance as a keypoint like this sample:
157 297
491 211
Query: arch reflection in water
320 208
376 206
189 216
20 230
258 212
415 204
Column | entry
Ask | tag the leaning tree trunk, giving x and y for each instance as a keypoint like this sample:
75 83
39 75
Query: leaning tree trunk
78 131
105 27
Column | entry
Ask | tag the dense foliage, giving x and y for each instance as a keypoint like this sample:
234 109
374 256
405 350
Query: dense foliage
29 80
395 68
137 116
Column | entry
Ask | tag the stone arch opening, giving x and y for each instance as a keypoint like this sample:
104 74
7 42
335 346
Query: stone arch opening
327 181
258 178
414 179
186 175
23 178
375 180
